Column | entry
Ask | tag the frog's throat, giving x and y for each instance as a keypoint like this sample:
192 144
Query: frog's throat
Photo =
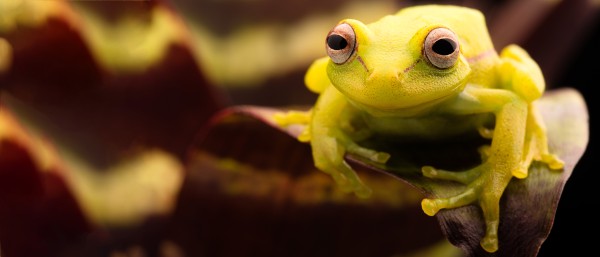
409 111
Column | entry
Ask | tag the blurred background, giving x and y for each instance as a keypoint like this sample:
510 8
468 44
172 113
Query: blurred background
109 146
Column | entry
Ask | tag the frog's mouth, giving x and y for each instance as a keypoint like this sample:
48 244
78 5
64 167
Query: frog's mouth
408 111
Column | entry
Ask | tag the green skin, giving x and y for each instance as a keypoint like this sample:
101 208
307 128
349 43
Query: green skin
389 87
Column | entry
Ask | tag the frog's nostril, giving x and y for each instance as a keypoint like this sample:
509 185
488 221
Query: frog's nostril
385 75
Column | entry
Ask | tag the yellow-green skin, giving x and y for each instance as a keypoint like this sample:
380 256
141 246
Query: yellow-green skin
389 88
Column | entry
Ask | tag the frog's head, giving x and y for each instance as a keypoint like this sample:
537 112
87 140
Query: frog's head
396 65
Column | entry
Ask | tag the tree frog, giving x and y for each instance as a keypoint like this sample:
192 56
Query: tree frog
429 72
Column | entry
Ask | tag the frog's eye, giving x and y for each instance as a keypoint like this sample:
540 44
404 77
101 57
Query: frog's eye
340 43
441 48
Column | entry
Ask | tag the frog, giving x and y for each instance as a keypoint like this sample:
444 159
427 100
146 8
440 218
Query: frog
432 72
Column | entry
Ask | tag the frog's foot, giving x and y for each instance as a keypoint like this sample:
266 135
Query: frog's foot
343 175
295 118
536 148
346 178
551 160
328 154
489 203
483 186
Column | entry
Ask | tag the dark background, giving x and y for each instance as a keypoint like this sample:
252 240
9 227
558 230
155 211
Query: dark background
575 215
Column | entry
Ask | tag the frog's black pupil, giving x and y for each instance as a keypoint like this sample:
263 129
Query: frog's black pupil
444 46
336 42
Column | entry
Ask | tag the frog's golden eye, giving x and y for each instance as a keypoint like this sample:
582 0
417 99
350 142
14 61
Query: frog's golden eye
441 48
340 43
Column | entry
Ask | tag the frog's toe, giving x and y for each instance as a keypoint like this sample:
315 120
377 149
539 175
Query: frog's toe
432 206
429 172
363 191
378 157
486 132
464 177
279 118
282 119
353 182
490 243
484 152
339 179
291 117
521 172
348 183
553 161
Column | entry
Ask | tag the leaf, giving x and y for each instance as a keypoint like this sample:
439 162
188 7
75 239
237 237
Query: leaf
255 187
138 99
39 214
114 133
528 206
52 200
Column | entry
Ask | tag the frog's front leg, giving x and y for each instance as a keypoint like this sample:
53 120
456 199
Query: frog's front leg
485 183
331 140
521 74
329 146
535 147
